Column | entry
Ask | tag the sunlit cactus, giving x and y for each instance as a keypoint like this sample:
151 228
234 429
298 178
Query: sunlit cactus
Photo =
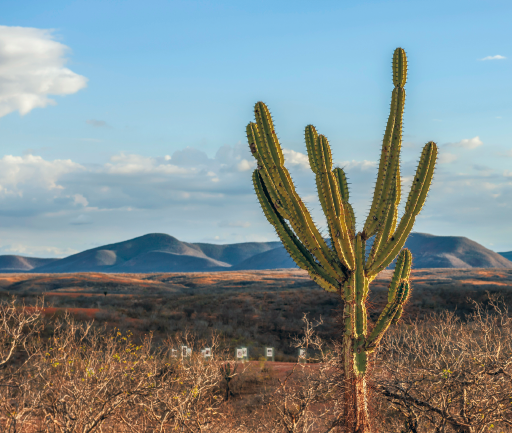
341 265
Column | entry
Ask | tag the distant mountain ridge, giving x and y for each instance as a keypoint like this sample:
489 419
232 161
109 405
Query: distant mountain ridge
429 251
158 252
13 263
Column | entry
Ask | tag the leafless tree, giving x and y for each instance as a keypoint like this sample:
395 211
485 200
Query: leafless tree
18 325
187 396
19 328
85 374
450 375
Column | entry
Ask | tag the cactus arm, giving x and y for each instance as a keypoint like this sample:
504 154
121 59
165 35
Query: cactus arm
399 67
330 199
389 164
406 272
268 150
398 315
392 170
299 254
402 272
252 137
299 216
421 183
311 136
381 174
417 196
387 316
339 174
340 182
383 233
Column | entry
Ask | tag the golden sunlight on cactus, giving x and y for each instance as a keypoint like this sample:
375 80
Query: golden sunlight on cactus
342 266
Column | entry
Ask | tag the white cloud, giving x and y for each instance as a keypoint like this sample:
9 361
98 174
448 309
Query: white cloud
133 164
496 57
296 158
358 165
31 185
468 143
60 202
16 171
81 200
245 165
32 68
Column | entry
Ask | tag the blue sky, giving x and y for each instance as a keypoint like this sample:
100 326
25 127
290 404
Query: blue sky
146 131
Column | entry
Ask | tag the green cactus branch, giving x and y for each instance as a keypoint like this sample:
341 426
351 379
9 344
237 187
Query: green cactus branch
341 265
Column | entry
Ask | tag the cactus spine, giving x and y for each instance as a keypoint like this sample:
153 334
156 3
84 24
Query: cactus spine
342 267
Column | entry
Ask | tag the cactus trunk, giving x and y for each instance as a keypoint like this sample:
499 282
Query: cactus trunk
355 395
341 265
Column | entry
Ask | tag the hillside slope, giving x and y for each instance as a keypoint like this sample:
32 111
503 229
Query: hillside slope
431 251
157 252
236 253
11 263
277 258
128 255
428 251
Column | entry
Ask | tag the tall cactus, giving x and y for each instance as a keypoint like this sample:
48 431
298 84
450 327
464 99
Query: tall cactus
341 265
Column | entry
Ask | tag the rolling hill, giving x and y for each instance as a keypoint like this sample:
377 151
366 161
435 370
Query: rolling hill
159 252
10 263
431 251
428 251
277 258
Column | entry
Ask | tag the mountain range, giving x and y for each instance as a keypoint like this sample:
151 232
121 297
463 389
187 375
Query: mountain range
159 252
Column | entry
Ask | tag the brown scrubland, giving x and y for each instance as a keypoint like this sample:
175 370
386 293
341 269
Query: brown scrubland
97 354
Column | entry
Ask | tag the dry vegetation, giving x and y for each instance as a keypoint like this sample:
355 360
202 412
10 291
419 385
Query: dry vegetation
446 374
441 373
250 308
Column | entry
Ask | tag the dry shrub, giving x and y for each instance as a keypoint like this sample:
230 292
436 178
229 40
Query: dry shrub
306 399
19 328
445 374
442 374
86 379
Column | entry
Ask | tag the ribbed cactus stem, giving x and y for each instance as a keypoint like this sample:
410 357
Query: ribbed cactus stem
342 266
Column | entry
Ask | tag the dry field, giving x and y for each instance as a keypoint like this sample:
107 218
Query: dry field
250 308
449 372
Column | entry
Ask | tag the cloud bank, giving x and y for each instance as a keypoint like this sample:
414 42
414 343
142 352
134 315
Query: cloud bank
197 197
32 67
468 143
